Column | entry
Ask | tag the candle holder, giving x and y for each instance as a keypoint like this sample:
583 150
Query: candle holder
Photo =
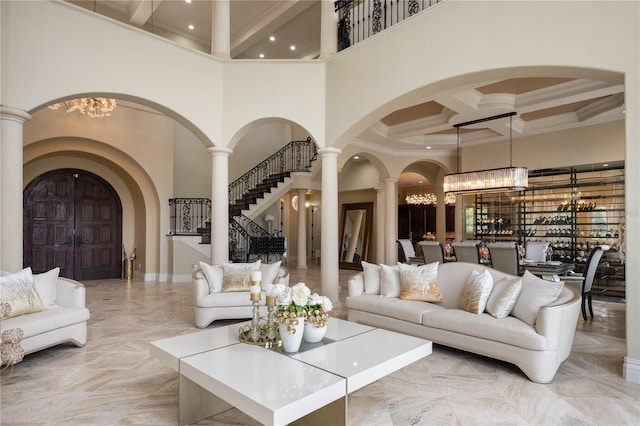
264 334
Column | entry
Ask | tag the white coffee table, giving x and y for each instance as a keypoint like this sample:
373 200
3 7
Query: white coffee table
218 372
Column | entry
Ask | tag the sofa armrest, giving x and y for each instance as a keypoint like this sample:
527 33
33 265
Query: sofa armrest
282 277
356 284
557 322
70 293
200 284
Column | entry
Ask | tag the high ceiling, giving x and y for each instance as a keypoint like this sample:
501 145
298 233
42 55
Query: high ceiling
542 104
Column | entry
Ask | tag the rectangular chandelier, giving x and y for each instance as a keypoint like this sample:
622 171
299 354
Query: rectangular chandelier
493 180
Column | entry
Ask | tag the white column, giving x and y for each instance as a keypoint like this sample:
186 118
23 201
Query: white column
221 29
329 219
380 210
441 216
391 221
328 29
11 145
302 229
219 204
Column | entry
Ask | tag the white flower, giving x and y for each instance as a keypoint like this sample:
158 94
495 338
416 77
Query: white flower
315 299
300 293
281 293
327 306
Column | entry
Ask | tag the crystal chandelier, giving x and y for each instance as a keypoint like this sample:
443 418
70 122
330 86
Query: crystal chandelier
429 199
494 180
93 107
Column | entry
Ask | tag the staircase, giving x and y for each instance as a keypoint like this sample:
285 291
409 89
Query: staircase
253 186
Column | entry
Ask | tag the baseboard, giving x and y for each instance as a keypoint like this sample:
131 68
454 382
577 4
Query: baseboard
631 370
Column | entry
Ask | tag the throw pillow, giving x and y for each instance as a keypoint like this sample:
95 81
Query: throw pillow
504 296
19 291
476 292
46 285
214 275
535 294
389 281
419 282
237 276
371 278
269 272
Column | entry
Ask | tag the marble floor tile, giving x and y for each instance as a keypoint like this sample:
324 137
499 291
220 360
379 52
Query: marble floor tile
114 381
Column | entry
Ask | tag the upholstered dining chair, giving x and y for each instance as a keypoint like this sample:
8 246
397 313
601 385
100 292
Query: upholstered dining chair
536 250
466 251
504 256
583 282
432 251
409 252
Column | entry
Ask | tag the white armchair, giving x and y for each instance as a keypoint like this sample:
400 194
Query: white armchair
211 303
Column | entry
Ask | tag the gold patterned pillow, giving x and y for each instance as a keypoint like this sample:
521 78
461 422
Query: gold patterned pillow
19 291
476 292
237 276
419 282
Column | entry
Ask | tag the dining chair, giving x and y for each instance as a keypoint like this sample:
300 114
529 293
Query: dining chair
536 250
583 282
409 252
432 251
466 251
504 256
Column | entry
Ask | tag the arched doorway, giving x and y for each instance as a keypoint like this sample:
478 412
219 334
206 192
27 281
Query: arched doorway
72 219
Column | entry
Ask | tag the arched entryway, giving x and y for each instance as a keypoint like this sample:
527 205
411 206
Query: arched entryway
72 219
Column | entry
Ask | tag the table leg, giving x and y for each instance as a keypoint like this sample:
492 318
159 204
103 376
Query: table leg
334 414
196 403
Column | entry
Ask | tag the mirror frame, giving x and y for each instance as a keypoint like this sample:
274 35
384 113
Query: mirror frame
366 229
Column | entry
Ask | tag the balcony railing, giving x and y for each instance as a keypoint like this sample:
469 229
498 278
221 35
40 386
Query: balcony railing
188 214
360 19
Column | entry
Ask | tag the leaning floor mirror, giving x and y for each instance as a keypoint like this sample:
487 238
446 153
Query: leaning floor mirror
356 230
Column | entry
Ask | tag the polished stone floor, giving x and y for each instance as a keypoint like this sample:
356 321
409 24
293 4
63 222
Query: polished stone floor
113 379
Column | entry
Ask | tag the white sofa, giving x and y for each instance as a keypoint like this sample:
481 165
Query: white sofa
212 304
537 350
63 319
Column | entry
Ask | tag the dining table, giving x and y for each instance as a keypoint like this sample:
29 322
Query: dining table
549 268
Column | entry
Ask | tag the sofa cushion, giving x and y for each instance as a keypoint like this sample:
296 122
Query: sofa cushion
237 276
49 319
222 299
510 330
371 277
476 292
19 291
390 281
535 294
270 271
46 285
419 282
213 274
405 310
504 296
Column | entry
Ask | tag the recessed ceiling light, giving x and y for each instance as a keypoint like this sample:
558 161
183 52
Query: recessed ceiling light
605 165
356 157
272 38
191 26
429 147
419 181
187 1
292 47
262 55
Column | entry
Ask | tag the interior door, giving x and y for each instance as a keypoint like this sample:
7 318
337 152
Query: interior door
73 219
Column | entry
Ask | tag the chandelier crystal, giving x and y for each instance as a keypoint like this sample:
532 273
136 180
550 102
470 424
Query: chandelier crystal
429 199
93 107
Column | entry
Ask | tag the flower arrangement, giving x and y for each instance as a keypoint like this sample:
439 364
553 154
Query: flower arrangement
297 301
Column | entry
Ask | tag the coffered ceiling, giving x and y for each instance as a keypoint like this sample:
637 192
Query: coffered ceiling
541 104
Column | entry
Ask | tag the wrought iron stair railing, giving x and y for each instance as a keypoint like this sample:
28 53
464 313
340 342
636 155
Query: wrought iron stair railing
188 216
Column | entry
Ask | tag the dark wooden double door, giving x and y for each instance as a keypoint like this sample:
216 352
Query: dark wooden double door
73 219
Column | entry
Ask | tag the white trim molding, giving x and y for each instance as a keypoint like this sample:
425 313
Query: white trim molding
631 370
